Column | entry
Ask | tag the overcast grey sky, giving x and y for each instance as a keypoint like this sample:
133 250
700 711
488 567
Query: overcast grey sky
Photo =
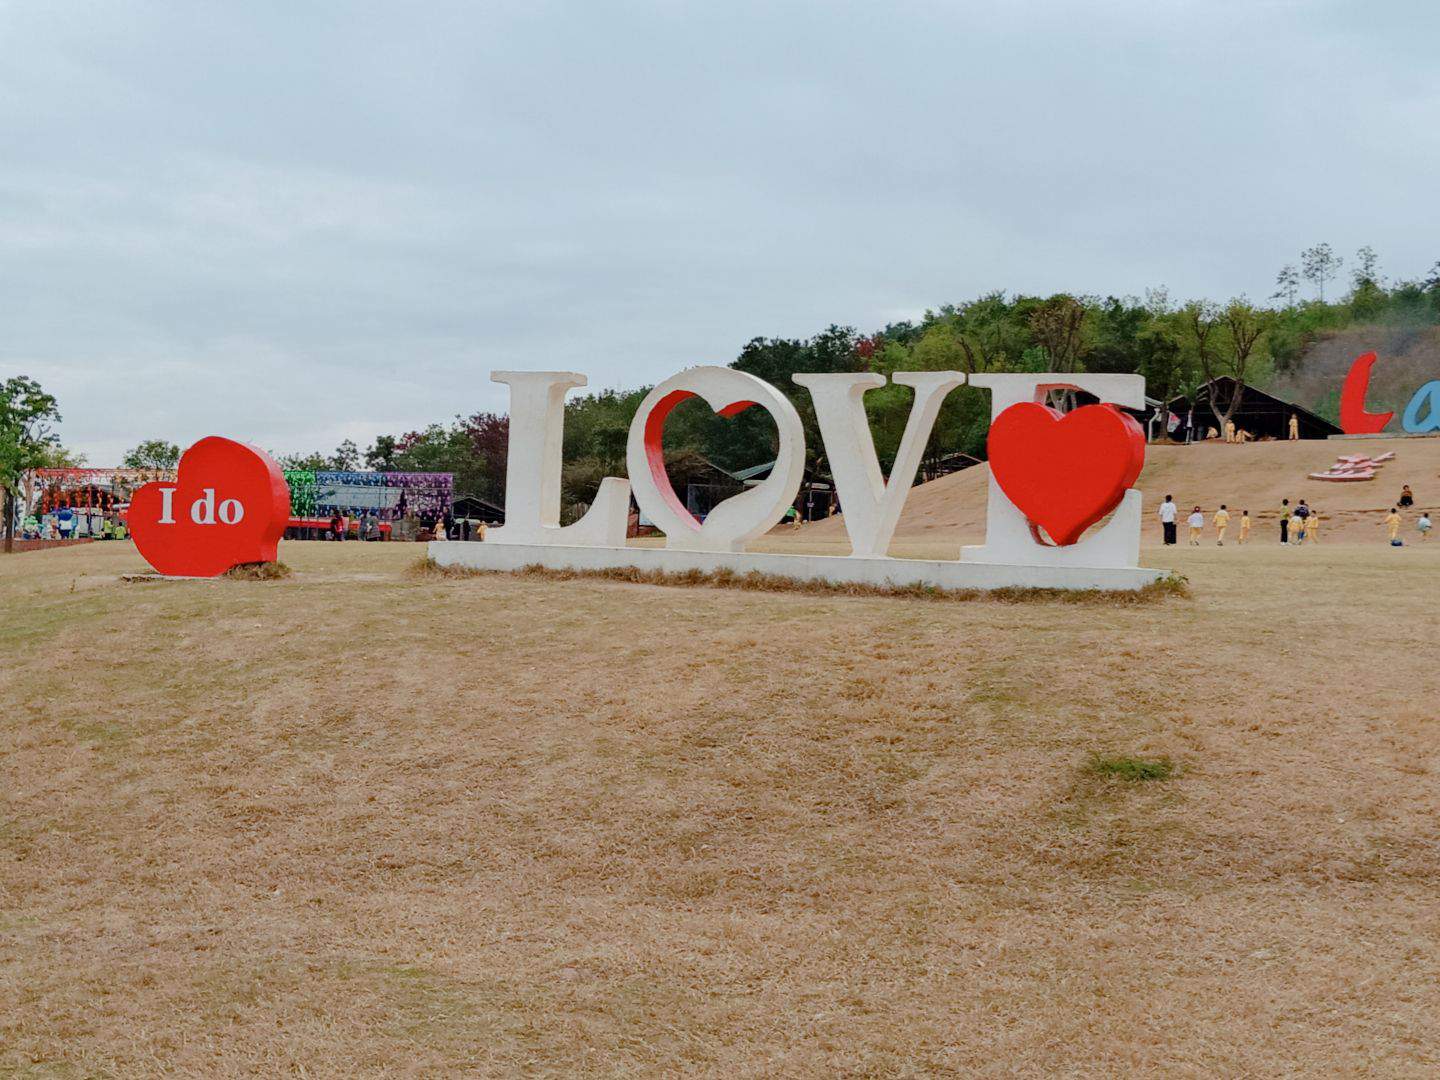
296 222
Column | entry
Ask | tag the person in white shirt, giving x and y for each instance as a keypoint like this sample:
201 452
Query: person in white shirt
1168 512
1196 522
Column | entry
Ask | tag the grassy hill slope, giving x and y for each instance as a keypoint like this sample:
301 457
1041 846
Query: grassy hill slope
951 511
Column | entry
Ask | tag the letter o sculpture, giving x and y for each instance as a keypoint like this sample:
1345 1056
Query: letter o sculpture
740 518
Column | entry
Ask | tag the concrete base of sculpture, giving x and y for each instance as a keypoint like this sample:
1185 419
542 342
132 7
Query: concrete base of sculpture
837 569
1388 435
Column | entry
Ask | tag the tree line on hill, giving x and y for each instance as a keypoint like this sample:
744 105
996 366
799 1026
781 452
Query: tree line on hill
1175 346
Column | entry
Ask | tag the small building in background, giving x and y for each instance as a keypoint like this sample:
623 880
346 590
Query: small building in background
1259 415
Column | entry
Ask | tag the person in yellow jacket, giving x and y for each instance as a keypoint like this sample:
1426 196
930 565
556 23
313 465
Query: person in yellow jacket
1312 527
1230 431
1392 523
1294 427
1222 521
1244 526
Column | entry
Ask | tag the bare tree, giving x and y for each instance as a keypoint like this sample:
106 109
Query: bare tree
1320 264
1200 318
1226 344
1287 283
1057 326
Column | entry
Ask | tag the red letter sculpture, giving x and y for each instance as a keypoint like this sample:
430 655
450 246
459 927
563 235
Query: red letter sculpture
1354 420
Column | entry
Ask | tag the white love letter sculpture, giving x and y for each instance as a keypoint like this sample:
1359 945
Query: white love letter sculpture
532 469
871 504
741 517
1009 538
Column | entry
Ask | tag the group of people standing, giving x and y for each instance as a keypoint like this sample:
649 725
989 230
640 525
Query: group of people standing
1169 523
64 523
1296 525
1299 524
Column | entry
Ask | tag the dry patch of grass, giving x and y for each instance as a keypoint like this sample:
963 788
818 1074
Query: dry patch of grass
263 571
1172 584
367 821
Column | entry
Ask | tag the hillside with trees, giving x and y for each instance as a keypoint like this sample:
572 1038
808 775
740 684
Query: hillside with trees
1176 346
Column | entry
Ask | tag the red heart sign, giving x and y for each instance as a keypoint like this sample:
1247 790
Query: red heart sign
1065 471
228 506
655 446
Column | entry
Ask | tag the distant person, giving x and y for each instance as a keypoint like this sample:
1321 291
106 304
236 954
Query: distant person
465 528
1312 526
439 530
792 516
1284 521
1222 522
1297 529
1294 427
1424 526
1244 527
1407 497
1196 522
64 522
337 526
480 531
1168 512
1392 525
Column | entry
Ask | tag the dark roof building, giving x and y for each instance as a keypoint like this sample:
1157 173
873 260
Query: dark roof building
1259 415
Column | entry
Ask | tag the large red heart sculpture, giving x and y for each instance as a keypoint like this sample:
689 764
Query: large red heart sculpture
228 506
1065 471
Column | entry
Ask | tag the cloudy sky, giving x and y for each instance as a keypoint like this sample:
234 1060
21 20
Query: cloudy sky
296 222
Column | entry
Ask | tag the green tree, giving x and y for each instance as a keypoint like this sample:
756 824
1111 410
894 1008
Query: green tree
1058 327
381 455
152 454
314 462
346 457
1162 364
1118 325
56 456
27 416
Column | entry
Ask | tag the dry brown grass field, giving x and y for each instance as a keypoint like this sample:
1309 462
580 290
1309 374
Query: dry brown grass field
364 821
